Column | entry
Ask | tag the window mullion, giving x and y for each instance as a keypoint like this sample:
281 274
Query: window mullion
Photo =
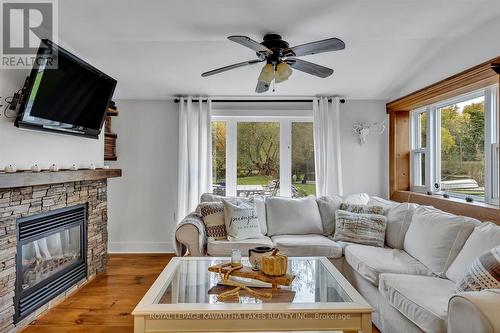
285 158
231 157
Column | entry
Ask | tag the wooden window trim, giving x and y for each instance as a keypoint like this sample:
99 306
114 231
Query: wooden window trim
477 77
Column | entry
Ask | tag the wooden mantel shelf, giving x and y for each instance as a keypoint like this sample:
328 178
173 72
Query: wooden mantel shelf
28 178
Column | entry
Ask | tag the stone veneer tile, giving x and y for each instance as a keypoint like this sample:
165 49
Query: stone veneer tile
20 202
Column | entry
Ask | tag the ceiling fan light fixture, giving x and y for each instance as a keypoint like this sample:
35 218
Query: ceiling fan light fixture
267 73
283 72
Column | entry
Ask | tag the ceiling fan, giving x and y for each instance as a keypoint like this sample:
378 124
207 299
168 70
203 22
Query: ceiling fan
280 58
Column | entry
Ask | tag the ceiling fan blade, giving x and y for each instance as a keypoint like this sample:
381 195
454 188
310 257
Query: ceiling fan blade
226 68
309 67
250 43
325 45
261 87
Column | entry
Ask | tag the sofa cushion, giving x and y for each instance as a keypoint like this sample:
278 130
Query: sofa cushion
435 237
327 207
222 248
371 261
484 237
357 198
367 229
307 245
287 216
421 299
398 220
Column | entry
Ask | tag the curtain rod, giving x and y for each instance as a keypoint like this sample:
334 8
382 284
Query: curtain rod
177 100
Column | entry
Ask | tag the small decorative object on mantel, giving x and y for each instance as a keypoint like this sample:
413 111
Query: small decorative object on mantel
73 167
54 168
11 168
361 130
36 168
92 166
274 264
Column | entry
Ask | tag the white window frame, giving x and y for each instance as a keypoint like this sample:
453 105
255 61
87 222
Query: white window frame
284 117
432 150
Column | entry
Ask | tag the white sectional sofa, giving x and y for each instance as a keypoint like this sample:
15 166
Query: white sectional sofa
410 283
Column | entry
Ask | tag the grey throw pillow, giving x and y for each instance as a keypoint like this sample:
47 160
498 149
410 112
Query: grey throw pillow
366 229
327 208
362 209
484 273
241 220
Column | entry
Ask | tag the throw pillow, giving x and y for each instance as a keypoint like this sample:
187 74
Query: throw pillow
212 214
357 198
260 205
293 216
362 209
241 220
484 273
484 237
327 208
367 229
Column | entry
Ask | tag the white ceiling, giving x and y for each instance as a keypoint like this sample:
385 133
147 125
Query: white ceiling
159 48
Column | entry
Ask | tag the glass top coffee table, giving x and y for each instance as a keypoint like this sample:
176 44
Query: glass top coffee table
184 298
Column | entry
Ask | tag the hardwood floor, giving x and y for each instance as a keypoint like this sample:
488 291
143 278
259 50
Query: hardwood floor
104 305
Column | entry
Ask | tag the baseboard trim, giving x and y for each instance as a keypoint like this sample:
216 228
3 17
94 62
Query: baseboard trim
140 247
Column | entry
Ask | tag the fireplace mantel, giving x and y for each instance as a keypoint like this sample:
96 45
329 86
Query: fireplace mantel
28 178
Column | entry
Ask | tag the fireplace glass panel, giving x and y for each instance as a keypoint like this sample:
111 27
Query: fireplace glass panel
48 255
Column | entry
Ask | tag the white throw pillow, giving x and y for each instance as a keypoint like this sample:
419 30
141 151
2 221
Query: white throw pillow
260 205
327 207
386 204
435 237
484 237
241 220
357 198
293 216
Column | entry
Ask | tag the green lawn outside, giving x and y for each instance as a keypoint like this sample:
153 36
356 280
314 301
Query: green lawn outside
254 180
309 189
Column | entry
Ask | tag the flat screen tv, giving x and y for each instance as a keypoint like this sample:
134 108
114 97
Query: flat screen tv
64 94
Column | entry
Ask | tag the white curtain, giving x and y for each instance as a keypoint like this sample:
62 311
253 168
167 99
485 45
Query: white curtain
327 146
195 153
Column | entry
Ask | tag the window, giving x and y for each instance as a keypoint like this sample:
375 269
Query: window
454 147
258 157
303 172
269 153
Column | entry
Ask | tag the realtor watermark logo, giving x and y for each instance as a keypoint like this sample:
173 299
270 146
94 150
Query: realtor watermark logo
24 25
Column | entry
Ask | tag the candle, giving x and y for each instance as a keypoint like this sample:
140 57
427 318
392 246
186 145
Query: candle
235 257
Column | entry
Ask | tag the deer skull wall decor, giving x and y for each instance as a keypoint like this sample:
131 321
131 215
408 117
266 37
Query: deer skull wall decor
361 130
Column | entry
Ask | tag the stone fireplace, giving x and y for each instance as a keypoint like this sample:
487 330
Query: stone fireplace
72 218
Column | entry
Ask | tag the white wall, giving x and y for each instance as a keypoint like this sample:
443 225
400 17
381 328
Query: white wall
364 168
25 148
141 204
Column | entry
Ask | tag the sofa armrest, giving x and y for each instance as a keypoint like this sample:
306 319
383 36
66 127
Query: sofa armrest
190 233
474 311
